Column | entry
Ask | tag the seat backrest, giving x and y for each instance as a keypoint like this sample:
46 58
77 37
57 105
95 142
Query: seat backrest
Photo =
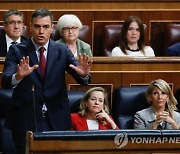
177 96
110 38
6 143
84 34
2 31
127 101
172 35
75 100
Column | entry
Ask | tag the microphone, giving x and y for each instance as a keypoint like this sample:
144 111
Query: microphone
34 107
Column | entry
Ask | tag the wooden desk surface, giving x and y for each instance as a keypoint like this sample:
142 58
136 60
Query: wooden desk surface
124 71
143 64
125 64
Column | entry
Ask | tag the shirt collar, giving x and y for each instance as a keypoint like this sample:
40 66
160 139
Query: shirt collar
9 40
38 46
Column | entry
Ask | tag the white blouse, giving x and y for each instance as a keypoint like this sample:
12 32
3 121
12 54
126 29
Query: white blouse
93 124
148 51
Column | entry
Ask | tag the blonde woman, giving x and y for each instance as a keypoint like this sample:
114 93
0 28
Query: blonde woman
161 114
94 112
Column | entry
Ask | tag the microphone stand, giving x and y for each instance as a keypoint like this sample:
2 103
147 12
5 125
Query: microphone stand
35 118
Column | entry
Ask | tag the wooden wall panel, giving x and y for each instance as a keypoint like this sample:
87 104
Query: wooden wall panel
98 14
70 5
123 72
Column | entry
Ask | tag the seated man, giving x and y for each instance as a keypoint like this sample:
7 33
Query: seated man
174 50
13 25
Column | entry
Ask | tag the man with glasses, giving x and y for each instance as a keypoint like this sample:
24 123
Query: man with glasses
13 26
36 69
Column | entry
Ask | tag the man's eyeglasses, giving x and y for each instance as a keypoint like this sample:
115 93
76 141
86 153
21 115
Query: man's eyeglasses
67 29
12 22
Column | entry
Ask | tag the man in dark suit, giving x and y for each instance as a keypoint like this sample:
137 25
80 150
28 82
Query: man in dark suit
174 50
39 100
13 26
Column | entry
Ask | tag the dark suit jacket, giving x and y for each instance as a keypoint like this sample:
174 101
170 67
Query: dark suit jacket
174 50
3 44
52 91
80 123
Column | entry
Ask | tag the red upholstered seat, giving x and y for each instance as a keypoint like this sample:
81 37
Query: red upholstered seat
172 35
110 38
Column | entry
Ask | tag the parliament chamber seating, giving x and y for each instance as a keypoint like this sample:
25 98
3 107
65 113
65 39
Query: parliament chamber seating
84 34
110 38
126 102
6 143
172 36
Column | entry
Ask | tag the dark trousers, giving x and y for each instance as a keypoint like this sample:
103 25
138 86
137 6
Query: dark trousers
19 139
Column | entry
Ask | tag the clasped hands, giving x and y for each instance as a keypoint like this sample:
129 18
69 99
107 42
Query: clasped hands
162 116
23 68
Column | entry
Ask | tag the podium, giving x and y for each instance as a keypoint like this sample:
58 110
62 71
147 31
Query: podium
103 141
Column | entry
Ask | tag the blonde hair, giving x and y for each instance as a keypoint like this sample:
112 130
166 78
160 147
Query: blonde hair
164 86
83 105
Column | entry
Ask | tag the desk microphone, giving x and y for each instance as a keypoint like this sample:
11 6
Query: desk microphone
35 119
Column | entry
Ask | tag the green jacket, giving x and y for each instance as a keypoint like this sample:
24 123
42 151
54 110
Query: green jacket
82 47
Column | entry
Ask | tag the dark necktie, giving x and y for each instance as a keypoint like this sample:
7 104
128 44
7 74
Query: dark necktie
42 61
162 126
13 42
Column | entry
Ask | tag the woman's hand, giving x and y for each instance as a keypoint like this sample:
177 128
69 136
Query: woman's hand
164 116
104 117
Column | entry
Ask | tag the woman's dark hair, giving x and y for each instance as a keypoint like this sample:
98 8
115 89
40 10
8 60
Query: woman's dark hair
123 44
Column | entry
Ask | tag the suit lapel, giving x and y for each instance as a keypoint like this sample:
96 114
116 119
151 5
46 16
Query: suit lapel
52 55
3 46
150 115
32 55
83 122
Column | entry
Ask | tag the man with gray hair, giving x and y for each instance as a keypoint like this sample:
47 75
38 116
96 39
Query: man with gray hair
13 26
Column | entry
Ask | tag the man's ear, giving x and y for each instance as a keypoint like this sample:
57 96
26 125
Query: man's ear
52 27
30 26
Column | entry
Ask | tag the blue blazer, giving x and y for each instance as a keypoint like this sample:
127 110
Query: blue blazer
51 91
174 50
3 44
